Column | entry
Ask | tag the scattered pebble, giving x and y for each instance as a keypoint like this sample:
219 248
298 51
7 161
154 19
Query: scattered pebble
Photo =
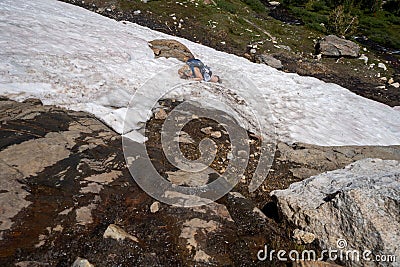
155 207
206 130
382 66
364 58
390 81
80 262
117 233
160 115
216 134
274 3
303 237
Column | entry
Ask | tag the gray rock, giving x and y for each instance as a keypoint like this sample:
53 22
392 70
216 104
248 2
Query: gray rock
382 66
270 61
360 204
395 85
80 262
333 46
155 207
161 115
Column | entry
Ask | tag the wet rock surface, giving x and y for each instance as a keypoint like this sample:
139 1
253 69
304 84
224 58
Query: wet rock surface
66 194
68 199
353 208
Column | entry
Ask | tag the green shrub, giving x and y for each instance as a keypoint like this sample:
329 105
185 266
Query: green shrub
256 5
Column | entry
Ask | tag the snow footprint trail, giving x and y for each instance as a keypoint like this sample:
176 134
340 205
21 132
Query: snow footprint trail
74 58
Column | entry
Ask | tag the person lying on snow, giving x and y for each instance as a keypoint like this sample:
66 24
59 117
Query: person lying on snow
195 70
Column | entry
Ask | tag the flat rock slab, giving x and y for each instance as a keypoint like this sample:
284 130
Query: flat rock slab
358 205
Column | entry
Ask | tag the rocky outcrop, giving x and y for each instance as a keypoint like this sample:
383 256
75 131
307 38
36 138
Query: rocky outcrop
333 46
269 60
355 208
170 48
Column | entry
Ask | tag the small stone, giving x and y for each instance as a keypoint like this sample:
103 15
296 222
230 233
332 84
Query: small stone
80 262
118 233
274 3
253 51
216 134
206 130
270 61
160 115
137 12
303 237
384 79
155 207
396 85
229 156
364 58
390 81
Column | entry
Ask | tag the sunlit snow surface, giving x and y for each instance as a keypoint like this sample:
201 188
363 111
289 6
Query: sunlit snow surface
77 59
